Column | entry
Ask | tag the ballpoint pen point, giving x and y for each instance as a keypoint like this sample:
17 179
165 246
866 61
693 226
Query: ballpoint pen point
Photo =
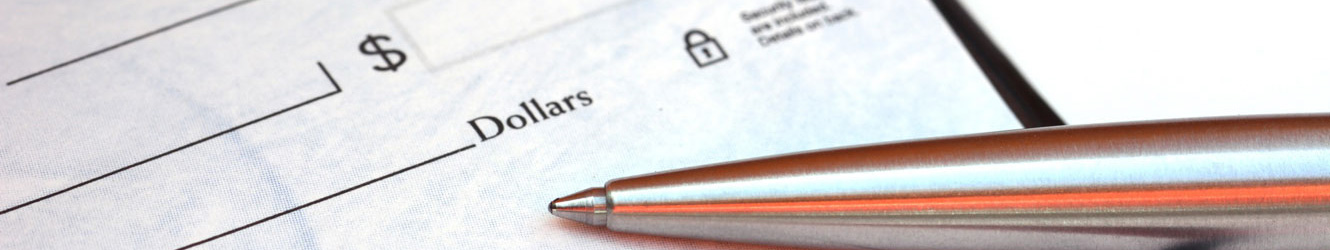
587 206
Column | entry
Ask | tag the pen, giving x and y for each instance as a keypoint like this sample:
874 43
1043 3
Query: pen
1253 182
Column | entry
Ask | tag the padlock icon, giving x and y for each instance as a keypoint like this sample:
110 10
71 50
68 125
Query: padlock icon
704 50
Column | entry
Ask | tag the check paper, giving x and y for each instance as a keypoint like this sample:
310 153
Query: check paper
434 123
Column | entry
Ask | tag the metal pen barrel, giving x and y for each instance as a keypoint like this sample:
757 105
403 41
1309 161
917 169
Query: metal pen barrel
1217 183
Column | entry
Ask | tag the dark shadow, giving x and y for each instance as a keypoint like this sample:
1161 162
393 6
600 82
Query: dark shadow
1020 97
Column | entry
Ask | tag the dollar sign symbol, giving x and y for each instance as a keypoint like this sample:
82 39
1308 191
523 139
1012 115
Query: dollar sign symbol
388 55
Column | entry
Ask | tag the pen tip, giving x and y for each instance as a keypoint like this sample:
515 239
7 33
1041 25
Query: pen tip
587 206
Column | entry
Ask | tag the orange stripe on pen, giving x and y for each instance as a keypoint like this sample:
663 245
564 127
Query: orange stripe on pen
1238 196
